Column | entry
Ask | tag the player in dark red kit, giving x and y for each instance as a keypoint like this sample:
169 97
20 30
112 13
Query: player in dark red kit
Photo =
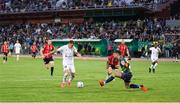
5 51
47 56
125 75
112 64
122 47
34 50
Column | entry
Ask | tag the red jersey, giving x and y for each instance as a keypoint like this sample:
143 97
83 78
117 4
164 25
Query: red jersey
5 48
123 49
112 60
33 48
48 49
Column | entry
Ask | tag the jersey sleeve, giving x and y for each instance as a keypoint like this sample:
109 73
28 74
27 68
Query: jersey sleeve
109 58
151 48
60 49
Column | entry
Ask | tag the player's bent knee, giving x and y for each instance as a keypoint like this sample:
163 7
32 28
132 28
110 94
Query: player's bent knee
110 70
51 63
46 66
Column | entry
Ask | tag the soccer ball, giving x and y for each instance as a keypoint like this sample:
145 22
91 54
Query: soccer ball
80 84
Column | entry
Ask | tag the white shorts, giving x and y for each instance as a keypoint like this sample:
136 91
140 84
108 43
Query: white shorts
69 67
17 52
153 59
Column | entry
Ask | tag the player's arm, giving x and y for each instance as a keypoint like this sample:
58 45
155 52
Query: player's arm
128 54
108 62
37 49
31 48
41 53
159 50
60 49
118 64
150 49
76 52
1 48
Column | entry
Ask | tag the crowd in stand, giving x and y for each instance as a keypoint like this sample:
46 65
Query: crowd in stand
141 30
12 6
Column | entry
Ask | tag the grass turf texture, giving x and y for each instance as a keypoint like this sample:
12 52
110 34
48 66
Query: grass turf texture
27 80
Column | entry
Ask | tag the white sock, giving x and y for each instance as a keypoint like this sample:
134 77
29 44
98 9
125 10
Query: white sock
17 58
70 78
151 66
155 65
65 77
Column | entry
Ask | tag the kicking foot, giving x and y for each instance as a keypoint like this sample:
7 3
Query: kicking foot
143 88
69 83
101 83
63 85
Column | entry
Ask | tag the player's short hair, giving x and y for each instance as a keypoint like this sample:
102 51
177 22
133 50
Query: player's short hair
118 52
71 42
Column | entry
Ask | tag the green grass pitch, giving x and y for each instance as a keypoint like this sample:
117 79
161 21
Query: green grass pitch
28 81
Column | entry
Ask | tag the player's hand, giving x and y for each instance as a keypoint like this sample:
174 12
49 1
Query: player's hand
79 55
42 56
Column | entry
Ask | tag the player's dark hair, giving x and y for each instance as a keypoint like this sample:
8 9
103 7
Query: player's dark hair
71 42
117 51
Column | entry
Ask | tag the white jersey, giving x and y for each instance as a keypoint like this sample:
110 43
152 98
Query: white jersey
68 57
68 54
17 48
154 53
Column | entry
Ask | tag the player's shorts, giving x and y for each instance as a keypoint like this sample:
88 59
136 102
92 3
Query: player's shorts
5 54
47 60
69 67
34 53
17 52
126 76
153 59
11 50
113 66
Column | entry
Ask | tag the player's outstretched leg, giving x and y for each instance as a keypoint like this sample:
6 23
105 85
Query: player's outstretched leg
142 87
71 77
65 76
135 86
108 80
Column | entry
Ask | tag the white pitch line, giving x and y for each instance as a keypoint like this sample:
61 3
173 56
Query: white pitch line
28 80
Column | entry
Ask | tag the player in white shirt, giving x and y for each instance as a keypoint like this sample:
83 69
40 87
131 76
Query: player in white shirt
68 52
17 49
154 57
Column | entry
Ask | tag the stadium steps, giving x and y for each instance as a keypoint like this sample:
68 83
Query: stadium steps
164 6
